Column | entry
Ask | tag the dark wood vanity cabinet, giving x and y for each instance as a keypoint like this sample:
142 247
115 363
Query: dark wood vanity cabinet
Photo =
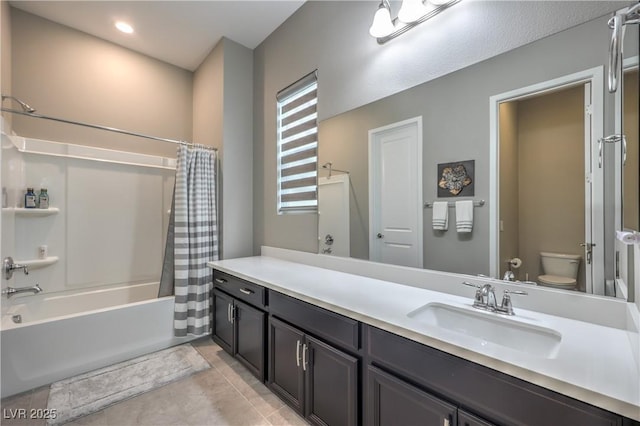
394 402
336 371
320 381
411 374
222 329
238 327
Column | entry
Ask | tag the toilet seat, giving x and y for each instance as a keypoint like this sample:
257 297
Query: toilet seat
557 281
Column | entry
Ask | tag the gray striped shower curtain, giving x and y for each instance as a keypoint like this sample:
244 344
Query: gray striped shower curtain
192 241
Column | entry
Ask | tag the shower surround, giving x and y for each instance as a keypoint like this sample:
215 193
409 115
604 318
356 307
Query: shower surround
105 235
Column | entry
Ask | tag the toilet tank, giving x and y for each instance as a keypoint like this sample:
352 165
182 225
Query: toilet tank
564 265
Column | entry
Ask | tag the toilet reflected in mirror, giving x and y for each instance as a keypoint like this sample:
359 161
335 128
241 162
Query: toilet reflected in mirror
559 270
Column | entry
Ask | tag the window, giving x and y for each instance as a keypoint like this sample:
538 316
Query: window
298 146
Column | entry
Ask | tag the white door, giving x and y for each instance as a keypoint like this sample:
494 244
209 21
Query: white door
395 193
333 215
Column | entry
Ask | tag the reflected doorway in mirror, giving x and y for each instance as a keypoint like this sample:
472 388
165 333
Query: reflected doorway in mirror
333 215
395 193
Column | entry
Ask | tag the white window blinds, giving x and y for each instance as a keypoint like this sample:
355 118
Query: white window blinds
298 146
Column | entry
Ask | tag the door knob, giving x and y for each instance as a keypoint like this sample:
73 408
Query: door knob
379 235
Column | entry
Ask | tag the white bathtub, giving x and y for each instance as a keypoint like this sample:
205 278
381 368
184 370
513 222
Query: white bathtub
61 336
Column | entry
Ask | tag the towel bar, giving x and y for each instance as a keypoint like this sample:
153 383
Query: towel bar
429 204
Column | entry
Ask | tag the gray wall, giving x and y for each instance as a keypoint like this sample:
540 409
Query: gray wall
237 151
223 113
69 74
354 70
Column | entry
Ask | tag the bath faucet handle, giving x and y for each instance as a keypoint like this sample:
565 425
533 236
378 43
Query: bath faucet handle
506 307
8 265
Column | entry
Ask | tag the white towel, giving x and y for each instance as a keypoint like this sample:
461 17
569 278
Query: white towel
440 215
464 216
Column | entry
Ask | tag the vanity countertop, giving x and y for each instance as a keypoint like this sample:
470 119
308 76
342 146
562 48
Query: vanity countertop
594 363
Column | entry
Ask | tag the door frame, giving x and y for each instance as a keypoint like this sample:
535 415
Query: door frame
627 64
593 205
374 179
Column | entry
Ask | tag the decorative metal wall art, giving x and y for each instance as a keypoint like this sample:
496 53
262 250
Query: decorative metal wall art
456 179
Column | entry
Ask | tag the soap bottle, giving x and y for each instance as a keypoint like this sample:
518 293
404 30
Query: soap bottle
43 199
30 199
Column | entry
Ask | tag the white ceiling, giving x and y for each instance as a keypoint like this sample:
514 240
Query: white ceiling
181 33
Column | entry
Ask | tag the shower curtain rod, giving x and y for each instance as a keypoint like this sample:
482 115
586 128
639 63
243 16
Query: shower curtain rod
109 129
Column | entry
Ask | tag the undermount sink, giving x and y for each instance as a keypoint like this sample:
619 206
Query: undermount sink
489 327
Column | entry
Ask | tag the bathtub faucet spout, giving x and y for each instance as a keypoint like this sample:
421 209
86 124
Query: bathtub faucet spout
12 291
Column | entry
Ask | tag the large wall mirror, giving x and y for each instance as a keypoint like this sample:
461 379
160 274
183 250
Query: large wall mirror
540 187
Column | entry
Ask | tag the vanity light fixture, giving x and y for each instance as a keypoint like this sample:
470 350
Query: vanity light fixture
411 14
412 10
382 25
124 27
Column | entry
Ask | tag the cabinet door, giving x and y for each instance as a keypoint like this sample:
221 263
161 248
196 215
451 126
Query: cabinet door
466 419
222 327
286 377
392 402
249 348
331 385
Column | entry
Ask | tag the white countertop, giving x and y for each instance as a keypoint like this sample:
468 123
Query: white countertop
594 363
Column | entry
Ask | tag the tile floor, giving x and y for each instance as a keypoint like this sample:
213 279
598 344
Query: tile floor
224 395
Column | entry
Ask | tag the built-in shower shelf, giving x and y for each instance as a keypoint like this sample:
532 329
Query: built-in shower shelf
38 263
21 211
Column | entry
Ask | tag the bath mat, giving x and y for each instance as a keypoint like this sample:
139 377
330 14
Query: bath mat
91 392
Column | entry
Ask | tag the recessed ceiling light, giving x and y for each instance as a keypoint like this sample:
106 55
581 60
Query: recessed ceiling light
124 27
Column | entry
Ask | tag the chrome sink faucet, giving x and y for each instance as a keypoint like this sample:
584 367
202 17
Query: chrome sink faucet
12 291
509 276
485 298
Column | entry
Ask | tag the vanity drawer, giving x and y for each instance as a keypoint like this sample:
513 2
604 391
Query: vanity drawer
240 289
334 328
496 396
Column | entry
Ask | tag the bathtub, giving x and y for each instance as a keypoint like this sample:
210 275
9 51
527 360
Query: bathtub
64 335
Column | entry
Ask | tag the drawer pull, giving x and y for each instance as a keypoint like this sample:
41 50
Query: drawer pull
246 291
220 280
298 353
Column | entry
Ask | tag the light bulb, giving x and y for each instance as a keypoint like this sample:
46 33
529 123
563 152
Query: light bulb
124 27
382 25
412 10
